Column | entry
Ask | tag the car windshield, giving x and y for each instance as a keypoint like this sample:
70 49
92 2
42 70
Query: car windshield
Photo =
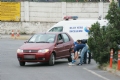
42 38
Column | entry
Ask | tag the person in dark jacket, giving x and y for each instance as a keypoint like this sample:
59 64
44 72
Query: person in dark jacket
77 47
81 45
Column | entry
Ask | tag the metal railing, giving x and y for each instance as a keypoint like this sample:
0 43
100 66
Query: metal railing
55 0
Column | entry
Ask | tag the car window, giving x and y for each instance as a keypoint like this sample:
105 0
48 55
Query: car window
42 38
57 29
66 38
59 37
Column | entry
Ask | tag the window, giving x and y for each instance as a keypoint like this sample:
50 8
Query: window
66 38
59 37
57 29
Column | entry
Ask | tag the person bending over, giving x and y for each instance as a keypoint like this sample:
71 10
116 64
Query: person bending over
76 50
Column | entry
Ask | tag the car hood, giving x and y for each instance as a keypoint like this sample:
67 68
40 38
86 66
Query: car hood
36 46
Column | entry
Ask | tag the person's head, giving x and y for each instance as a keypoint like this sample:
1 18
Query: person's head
78 41
84 41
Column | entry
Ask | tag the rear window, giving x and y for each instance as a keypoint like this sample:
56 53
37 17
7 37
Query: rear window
56 29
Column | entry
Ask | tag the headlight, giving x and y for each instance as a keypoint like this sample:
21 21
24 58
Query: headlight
19 51
43 51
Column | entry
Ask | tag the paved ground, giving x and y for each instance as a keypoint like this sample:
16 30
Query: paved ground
25 37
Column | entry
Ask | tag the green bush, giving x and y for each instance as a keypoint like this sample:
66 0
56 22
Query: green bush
101 40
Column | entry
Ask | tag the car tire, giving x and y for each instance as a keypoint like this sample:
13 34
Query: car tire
52 60
22 63
70 58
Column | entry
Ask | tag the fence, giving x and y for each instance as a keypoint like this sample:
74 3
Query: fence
56 0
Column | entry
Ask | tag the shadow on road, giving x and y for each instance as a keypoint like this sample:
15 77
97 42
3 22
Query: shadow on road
44 64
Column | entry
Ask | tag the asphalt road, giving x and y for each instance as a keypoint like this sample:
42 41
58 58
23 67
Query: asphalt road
10 69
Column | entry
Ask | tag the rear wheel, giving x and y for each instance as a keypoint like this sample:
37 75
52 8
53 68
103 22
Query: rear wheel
52 60
70 58
22 63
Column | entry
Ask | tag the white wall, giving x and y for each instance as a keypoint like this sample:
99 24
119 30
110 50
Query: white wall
28 27
83 10
55 11
39 16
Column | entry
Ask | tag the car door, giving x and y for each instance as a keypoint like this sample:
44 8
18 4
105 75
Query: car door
66 44
59 47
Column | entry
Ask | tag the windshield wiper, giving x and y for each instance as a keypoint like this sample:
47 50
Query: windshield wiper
42 42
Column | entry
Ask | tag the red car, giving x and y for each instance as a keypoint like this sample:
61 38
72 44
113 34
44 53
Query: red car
46 47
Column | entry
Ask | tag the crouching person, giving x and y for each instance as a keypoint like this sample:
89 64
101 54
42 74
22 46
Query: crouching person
76 50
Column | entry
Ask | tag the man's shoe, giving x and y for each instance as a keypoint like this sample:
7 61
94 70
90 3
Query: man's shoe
71 64
79 64
84 62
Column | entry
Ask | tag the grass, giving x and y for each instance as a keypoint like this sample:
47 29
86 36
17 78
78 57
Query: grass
114 66
107 65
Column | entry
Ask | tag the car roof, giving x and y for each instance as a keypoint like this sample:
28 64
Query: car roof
88 21
50 33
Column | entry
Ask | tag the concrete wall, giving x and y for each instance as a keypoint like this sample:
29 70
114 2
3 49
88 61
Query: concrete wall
24 27
39 16
55 11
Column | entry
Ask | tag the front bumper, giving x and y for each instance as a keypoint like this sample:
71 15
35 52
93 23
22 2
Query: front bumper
33 57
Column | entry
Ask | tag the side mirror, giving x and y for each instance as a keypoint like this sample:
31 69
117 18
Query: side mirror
25 41
60 42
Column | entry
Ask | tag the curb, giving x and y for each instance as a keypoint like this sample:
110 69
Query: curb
21 37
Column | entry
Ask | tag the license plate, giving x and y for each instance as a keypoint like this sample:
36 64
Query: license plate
29 56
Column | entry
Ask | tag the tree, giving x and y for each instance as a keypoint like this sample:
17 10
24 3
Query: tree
101 40
98 43
113 17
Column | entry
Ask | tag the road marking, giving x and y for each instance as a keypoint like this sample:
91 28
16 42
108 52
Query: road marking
96 74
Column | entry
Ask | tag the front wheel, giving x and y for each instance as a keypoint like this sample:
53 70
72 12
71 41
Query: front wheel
52 60
22 63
